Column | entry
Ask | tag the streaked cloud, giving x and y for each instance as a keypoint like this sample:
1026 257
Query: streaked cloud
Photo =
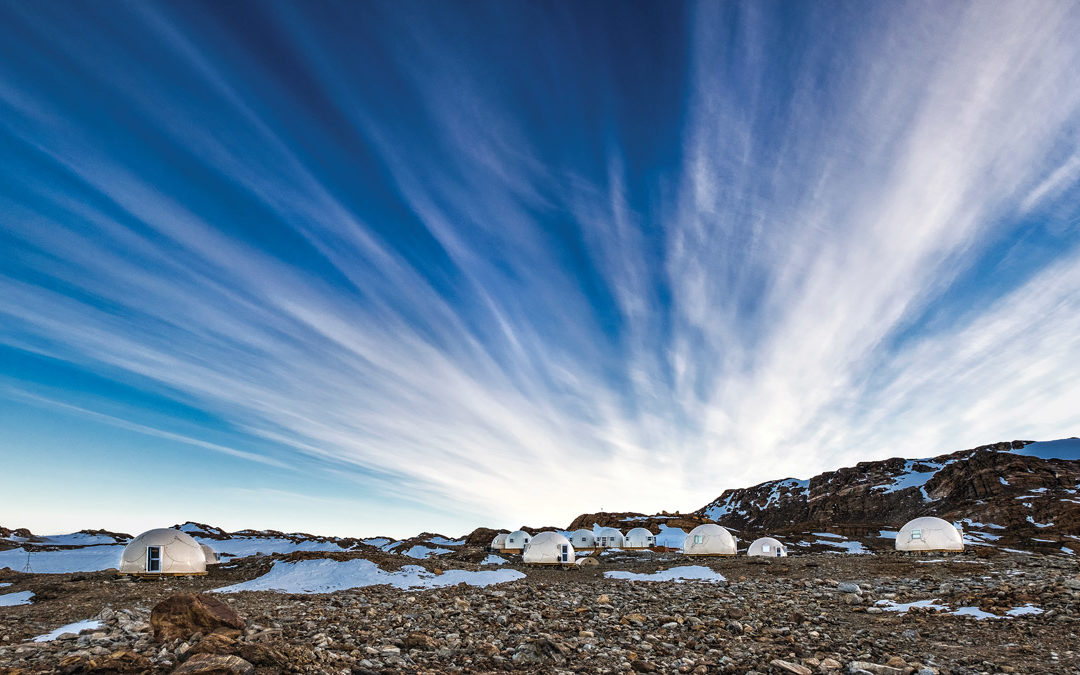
385 262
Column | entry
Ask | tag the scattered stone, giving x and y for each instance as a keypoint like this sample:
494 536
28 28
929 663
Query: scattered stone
861 667
121 661
789 667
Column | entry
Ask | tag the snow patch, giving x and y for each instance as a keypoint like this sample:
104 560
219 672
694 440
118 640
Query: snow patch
75 628
241 547
971 523
15 599
493 559
328 576
974 612
1032 521
423 552
671 537
677 574
890 606
1025 610
78 539
855 547
978 614
1066 448
443 541
912 478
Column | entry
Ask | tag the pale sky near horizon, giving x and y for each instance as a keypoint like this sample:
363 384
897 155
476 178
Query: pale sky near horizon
380 268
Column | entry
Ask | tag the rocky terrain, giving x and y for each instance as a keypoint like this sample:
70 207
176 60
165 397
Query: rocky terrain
815 613
1009 603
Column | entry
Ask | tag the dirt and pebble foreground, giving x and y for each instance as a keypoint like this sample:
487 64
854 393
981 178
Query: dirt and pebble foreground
815 613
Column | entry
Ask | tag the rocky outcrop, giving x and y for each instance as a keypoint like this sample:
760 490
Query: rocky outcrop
181 616
1022 494
203 530
628 520
481 537
15 538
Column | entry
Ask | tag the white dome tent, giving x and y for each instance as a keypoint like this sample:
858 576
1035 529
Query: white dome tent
210 555
767 547
639 537
709 539
549 548
608 537
516 541
583 540
499 542
929 534
163 552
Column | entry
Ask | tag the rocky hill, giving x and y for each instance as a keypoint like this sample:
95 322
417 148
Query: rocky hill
626 521
988 487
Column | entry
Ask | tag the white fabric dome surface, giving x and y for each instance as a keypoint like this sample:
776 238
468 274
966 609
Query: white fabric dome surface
178 553
639 537
582 540
548 548
608 537
929 534
709 539
210 555
767 547
499 542
516 541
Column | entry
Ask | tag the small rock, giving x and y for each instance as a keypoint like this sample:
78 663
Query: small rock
419 641
873 668
790 667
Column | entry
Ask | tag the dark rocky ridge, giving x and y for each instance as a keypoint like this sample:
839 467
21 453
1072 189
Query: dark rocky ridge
1026 496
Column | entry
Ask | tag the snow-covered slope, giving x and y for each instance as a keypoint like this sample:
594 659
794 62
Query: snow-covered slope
1066 448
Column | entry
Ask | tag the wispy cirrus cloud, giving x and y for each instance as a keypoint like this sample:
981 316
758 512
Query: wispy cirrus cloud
448 274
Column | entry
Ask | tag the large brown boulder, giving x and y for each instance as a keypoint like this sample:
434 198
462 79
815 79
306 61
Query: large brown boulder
181 616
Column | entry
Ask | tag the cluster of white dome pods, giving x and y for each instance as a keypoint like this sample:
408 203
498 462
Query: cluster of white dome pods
166 552
552 548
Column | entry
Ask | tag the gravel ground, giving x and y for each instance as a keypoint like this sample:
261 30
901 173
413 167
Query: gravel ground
813 613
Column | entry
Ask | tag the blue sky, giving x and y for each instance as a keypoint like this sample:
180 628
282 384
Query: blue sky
376 268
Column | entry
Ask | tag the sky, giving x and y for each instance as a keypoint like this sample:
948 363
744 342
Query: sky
387 267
